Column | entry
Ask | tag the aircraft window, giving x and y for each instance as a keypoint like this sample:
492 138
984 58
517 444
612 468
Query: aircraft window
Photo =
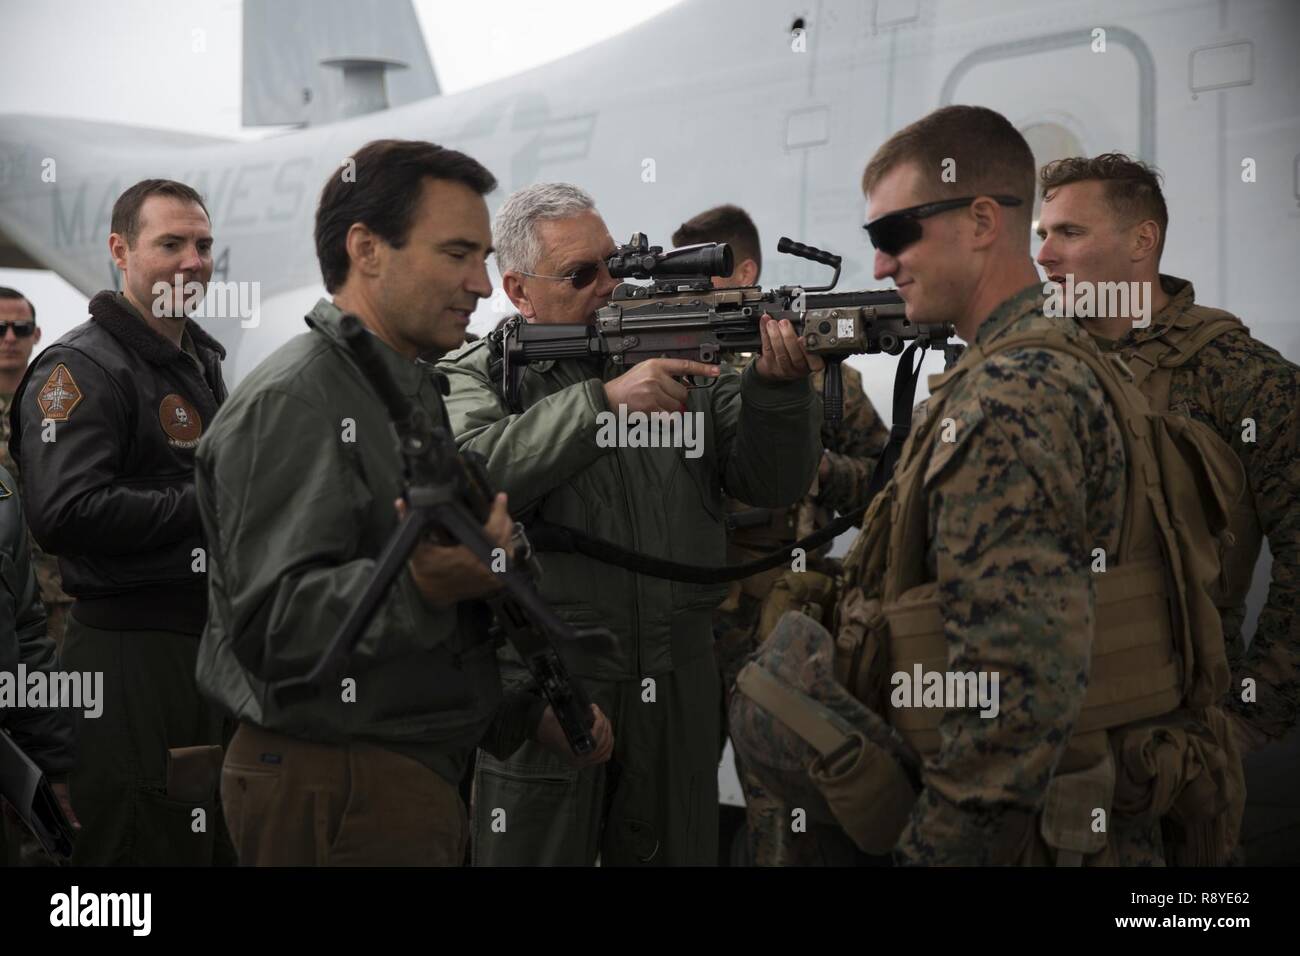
804 128
895 13
1221 65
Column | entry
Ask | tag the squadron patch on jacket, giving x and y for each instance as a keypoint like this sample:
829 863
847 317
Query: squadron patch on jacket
181 422
4 490
59 395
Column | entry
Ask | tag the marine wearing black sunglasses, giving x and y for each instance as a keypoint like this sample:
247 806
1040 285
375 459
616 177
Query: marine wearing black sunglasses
895 231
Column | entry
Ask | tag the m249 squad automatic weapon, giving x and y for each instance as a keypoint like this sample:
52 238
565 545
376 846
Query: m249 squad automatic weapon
680 315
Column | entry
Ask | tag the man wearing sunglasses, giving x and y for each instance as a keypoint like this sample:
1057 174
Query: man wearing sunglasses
33 641
1014 479
21 336
105 427
656 801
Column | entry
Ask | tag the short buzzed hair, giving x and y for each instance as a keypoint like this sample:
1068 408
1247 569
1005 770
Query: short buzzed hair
988 156
727 223
126 211
1132 188
8 293
514 231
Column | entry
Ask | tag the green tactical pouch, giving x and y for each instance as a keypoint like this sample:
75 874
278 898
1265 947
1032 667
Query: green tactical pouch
813 745
807 592
867 791
1076 816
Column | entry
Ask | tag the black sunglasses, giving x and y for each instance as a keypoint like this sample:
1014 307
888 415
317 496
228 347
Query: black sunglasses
895 231
581 277
21 329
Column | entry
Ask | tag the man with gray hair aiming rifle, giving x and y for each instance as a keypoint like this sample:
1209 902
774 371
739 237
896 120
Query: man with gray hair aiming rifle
656 800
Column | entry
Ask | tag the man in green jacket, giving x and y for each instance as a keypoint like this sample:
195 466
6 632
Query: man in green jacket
656 800
298 482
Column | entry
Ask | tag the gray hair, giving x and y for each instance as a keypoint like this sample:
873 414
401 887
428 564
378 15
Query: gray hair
514 233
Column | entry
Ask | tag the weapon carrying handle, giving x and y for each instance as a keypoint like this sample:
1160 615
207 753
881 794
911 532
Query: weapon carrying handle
788 245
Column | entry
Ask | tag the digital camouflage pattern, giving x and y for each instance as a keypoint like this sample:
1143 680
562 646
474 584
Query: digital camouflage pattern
1028 479
57 604
800 653
852 447
771 839
1233 378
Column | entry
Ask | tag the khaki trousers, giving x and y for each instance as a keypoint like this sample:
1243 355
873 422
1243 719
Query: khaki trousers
292 802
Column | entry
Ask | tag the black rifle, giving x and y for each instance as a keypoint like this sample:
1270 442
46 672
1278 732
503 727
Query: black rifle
682 316
28 791
448 493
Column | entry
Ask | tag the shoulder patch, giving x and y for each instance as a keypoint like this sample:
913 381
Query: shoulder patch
180 421
5 490
59 395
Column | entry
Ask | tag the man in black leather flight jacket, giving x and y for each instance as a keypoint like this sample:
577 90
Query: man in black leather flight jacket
105 427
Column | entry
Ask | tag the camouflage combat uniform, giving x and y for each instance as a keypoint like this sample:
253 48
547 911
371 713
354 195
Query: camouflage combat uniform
56 602
1233 378
852 448
1025 478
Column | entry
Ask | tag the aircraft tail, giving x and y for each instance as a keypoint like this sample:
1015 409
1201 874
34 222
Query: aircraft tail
39 155
310 62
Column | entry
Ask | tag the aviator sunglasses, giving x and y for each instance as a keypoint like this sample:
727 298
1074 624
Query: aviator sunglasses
895 231
21 329
581 277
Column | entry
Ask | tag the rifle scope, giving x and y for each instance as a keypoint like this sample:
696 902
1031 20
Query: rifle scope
640 260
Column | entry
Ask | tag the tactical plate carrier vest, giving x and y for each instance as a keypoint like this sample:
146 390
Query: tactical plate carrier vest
1152 363
1150 742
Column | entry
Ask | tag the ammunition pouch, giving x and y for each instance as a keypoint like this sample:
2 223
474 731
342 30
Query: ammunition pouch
811 593
1076 816
1186 769
1135 674
807 739
867 791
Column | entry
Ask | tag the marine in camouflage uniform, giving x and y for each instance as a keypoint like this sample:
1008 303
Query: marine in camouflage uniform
1026 482
1232 378
851 449
57 603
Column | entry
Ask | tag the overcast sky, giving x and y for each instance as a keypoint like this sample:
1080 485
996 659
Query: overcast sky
92 59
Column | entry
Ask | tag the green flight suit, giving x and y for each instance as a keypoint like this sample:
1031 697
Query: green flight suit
655 802
296 483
